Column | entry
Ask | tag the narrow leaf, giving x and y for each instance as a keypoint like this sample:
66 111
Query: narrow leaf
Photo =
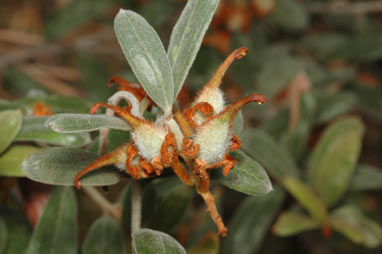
57 103
147 57
264 149
248 176
292 222
367 178
74 15
251 222
10 125
34 129
104 236
357 227
149 241
296 139
330 105
56 230
59 166
3 235
73 123
187 36
289 15
306 197
11 160
333 161
19 230
171 202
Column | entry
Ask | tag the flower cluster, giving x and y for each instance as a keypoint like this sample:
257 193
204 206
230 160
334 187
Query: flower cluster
201 136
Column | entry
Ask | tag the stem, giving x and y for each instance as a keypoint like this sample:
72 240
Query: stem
136 209
113 209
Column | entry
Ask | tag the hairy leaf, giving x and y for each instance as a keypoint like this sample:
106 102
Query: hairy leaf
56 230
34 129
10 125
247 176
11 160
72 123
251 222
147 57
149 241
333 161
187 36
104 236
59 166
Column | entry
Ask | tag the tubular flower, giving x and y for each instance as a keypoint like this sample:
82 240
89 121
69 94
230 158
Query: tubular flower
202 136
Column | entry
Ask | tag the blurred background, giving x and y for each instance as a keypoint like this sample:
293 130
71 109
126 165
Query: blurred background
62 53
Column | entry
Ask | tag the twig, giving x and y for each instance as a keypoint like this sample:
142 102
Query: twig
113 209
346 7
136 209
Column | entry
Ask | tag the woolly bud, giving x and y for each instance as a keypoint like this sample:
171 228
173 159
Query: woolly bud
214 135
211 92
148 139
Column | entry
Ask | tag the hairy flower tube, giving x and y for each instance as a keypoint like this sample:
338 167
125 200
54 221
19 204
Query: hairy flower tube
201 136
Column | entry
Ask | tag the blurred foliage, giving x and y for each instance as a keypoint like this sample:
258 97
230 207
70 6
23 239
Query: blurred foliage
319 64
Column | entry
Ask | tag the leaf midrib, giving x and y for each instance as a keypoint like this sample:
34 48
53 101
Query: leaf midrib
140 44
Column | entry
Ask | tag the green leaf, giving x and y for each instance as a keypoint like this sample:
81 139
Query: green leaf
369 97
3 235
366 178
251 222
171 202
104 236
73 123
58 103
73 16
56 230
19 230
268 83
187 36
306 197
247 176
94 76
264 149
324 44
292 222
59 166
333 160
20 83
296 139
289 15
332 105
34 129
353 224
147 57
11 160
10 125
149 241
